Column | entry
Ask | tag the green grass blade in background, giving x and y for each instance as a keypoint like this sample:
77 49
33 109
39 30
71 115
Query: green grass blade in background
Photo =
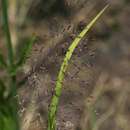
58 88
25 51
9 118
7 31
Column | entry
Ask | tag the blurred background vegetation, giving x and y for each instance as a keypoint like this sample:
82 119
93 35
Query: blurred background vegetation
97 86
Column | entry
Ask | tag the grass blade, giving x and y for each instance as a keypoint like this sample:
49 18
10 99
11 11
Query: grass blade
7 31
25 51
58 88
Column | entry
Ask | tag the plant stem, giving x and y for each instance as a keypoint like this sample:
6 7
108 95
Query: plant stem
7 32
9 109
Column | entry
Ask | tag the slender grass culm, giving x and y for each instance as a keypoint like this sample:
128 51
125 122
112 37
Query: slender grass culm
58 88
8 89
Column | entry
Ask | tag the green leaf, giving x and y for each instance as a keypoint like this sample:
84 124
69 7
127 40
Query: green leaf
61 75
25 51
4 4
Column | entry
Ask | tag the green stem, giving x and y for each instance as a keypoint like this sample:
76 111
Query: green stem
9 107
7 32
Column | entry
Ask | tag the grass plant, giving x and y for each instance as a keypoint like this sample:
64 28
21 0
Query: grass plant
61 75
8 89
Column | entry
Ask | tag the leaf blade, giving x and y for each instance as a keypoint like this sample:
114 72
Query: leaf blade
25 51
58 88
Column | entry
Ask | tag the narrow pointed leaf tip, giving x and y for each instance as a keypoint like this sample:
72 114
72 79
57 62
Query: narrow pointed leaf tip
25 51
58 88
